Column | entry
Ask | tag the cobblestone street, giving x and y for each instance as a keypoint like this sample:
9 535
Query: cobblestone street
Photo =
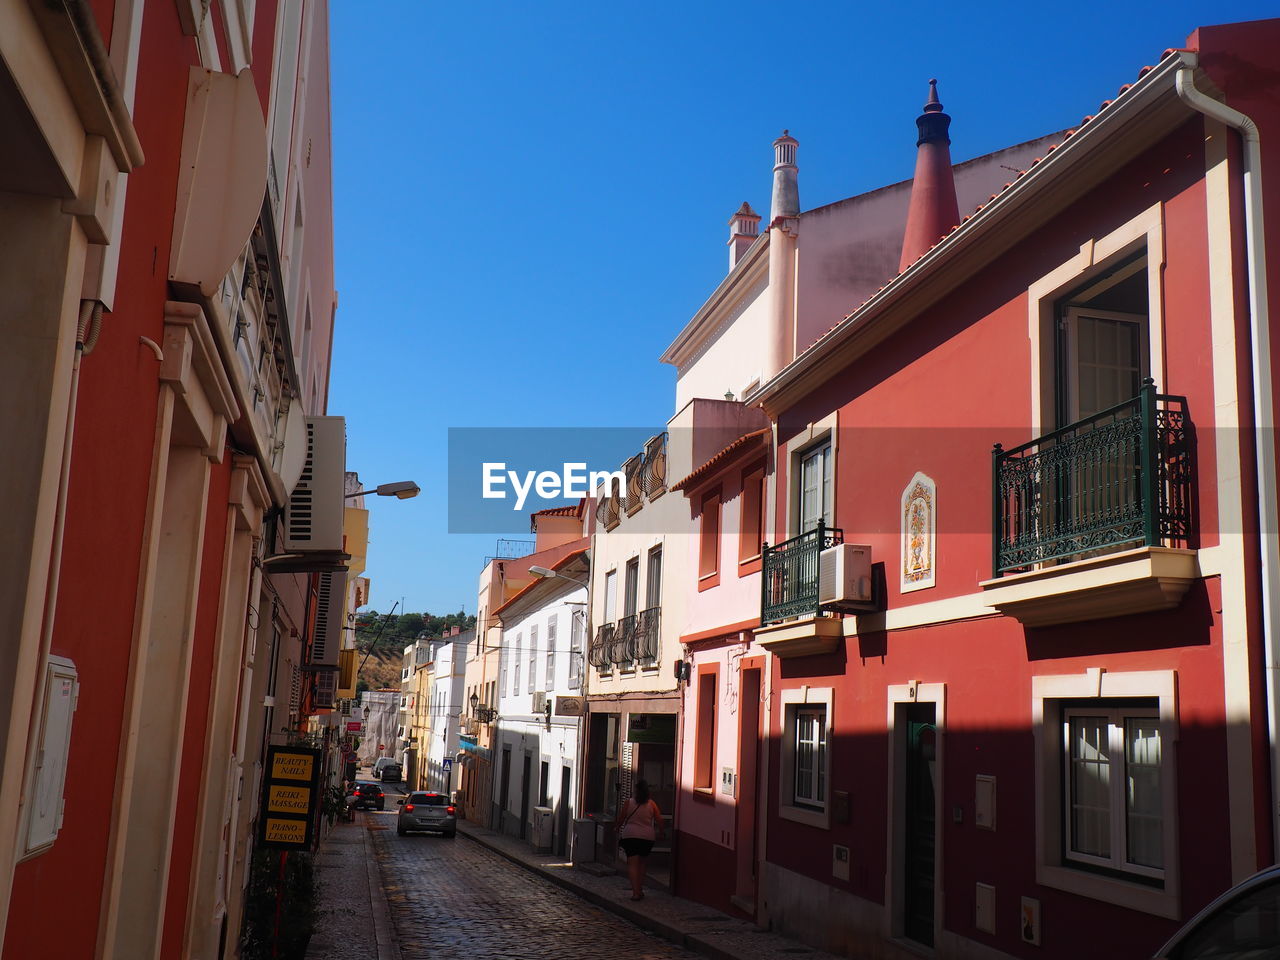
455 898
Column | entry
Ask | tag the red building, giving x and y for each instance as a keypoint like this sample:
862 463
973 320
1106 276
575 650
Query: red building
169 321
1016 604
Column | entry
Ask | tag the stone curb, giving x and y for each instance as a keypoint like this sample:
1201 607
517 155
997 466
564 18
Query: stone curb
383 927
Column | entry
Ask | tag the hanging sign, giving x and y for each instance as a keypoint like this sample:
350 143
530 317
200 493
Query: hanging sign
290 790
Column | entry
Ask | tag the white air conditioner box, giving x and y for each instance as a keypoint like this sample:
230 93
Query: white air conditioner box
313 517
844 577
542 820
330 592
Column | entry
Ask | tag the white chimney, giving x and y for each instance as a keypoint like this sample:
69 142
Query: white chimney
744 227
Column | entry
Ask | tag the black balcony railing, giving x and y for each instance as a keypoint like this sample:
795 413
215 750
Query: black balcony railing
598 651
644 641
1121 478
620 650
789 580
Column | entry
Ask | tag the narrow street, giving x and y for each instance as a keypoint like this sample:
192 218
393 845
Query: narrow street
447 896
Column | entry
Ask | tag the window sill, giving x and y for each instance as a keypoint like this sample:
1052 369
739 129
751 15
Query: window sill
1114 585
806 815
704 795
749 565
709 580
1161 903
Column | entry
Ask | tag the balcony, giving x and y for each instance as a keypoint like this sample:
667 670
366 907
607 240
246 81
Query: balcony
1094 519
598 651
791 624
644 641
620 649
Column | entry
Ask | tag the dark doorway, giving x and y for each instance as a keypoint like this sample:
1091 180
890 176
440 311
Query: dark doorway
748 760
524 796
544 783
562 814
504 795
919 825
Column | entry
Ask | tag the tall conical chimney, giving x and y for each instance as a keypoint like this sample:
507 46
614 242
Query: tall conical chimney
786 191
933 210
744 227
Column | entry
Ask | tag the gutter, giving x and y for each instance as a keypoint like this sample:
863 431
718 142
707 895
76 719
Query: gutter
1263 408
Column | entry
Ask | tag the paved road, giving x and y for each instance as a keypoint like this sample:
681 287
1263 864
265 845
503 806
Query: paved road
454 898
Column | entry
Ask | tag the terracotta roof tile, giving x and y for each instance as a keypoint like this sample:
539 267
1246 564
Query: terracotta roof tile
710 467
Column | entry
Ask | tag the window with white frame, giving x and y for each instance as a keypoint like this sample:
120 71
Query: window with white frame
551 653
805 771
1106 803
1113 788
809 782
515 659
533 656
815 488
505 666
577 653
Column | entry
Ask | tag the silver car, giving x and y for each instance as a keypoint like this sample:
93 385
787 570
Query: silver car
427 811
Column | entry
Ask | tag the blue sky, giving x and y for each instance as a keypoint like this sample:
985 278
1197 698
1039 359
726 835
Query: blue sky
531 199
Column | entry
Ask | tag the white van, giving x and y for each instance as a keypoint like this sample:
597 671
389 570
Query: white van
383 766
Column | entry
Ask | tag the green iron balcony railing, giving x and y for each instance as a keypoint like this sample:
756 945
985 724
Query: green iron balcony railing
789 575
1118 479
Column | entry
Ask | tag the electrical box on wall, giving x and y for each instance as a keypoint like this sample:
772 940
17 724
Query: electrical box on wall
984 908
839 862
984 802
728 782
47 777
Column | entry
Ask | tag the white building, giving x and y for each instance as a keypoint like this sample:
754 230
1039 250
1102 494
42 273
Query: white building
539 705
440 748
382 716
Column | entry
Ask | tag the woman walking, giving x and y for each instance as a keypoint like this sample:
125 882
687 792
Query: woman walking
639 824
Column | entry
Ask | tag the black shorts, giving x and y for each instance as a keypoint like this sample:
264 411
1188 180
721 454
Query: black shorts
635 847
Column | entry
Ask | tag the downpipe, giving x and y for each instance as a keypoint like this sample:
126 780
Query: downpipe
1263 408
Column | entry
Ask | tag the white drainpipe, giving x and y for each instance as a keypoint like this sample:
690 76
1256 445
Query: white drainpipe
1264 420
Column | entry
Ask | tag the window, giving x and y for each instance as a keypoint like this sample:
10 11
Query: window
810 785
515 659
610 585
653 580
709 542
1106 810
815 488
751 523
551 653
631 587
804 775
505 666
704 755
533 656
577 636
1112 796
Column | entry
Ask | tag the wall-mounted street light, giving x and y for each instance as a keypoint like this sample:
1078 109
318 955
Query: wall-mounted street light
482 711
547 573
401 489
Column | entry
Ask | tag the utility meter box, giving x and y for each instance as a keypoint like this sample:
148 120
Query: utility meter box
542 821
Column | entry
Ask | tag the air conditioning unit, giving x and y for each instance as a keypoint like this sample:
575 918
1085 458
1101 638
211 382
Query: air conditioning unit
313 517
542 821
844 577
540 702
327 642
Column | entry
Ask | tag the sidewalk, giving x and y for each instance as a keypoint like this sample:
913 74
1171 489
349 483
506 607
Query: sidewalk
351 906
685 923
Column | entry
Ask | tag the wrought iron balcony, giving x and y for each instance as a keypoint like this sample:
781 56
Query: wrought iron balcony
1118 479
644 641
620 651
789 580
598 651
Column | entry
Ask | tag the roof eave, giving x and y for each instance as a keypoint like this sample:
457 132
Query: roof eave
700 326
1121 129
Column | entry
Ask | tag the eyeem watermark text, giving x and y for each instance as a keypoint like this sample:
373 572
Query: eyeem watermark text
573 480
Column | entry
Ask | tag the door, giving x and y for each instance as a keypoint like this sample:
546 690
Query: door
748 760
562 814
919 846
504 790
524 796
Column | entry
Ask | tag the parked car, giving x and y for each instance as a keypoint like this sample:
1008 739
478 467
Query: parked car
368 795
427 811
388 769
1242 924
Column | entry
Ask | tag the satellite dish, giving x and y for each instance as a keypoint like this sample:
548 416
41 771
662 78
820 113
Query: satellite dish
294 455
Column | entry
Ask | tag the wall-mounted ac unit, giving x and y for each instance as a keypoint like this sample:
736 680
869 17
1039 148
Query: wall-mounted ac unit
540 702
844 577
327 641
313 517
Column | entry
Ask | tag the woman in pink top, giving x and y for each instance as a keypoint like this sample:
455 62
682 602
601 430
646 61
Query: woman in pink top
639 824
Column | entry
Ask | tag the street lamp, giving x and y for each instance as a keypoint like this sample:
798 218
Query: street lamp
547 573
401 489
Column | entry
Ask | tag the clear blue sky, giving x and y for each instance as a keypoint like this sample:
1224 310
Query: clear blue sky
531 199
